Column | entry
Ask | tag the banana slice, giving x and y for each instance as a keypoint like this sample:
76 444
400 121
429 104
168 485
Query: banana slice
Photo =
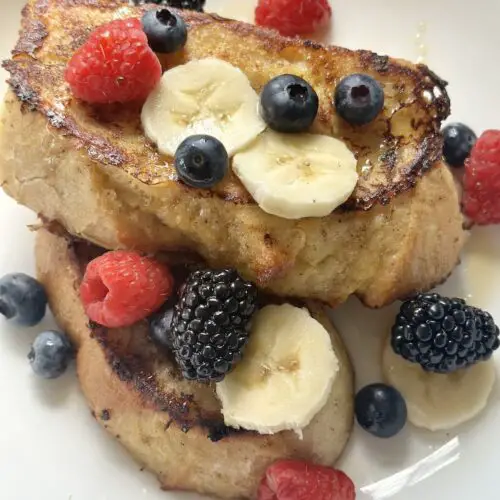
208 96
438 401
286 375
297 175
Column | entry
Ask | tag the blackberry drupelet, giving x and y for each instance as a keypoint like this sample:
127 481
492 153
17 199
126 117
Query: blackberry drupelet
443 334
179 4
211 322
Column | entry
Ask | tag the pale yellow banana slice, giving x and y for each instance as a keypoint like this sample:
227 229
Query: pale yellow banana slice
286 375
207 96
437 401
297 175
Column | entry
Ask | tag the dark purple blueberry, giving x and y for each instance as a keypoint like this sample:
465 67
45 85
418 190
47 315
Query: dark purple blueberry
288 104
459 140
51 354
380 410
166 30
22 299
359 99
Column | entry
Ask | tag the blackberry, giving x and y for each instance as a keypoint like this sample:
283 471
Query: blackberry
211 322
179 4
443 334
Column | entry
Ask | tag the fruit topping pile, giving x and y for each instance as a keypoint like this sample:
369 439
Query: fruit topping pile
443 334
437 362
293 17
210 324
207 328
435 400
289 172
205 132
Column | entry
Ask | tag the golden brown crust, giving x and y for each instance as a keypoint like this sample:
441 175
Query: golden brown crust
172 426
393 152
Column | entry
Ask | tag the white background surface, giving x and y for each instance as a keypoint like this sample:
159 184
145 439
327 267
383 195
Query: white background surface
50 446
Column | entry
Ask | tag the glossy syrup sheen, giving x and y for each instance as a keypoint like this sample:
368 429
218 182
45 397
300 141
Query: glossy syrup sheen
48 433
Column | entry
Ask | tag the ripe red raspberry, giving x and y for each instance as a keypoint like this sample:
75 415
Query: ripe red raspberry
294 480
293 17
115 64
120 288
481 199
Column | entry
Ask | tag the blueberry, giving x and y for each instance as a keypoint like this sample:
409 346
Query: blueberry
458 142
160 328
359 99
380 410
201 161
288 104
50 354
166 31
23 299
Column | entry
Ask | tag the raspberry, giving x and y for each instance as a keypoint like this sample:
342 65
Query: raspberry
120 288
293 17
294 480
116 64
481 199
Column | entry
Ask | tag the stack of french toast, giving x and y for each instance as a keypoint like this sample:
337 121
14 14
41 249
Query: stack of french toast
100 183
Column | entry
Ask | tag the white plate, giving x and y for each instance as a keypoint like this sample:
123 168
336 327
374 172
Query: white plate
50 446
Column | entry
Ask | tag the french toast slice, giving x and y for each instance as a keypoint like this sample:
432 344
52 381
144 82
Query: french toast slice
170 425
91 169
